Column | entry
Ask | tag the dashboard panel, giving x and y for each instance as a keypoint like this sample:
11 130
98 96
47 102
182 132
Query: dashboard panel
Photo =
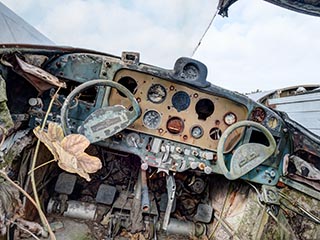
177 112
178 122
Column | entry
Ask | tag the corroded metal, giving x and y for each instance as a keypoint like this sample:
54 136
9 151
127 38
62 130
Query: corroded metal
196 187
39 78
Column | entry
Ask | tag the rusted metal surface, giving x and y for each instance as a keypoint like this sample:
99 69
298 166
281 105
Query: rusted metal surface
39 78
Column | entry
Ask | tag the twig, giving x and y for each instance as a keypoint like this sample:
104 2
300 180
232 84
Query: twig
30 199
34 160
41 165
24 229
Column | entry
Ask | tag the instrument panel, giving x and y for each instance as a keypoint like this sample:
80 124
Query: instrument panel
178 112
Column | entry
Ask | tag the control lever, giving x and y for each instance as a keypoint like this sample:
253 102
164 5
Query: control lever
171 189
166 155
164 162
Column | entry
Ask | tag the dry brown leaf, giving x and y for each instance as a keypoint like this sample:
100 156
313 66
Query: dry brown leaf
46 140
55 132
67 161
69 151
75 143
89 163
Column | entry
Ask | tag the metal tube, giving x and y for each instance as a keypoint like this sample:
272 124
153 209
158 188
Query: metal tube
145 201
185 228
82 210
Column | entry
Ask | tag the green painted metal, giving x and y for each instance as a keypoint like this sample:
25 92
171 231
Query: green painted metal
105 121
247 156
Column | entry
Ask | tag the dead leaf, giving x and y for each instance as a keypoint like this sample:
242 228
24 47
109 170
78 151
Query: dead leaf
75 143
89 163
69 151
55 131
47 141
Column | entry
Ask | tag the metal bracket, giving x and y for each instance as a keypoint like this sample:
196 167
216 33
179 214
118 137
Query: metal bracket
171 189
269 195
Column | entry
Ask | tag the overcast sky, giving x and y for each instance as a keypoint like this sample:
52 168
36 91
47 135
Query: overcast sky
260 46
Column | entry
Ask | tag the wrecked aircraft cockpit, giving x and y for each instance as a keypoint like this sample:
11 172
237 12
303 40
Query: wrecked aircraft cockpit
133 151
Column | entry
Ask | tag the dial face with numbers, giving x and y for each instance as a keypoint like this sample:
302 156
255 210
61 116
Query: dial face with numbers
151 119
196 132
157 93
190 72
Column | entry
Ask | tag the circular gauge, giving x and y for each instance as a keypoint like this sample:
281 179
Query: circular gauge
204 108
258 115
196 132
180 101
152 119
190 72
129 83
230 118
157 93
215 133
175 125
272 122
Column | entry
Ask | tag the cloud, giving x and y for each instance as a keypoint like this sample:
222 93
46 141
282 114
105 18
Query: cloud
266 48
161 31
260 46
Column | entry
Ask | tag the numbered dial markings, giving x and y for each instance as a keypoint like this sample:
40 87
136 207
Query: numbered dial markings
151 119
157 93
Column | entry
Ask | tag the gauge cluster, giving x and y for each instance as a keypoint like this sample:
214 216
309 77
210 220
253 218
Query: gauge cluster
177 112
259 115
